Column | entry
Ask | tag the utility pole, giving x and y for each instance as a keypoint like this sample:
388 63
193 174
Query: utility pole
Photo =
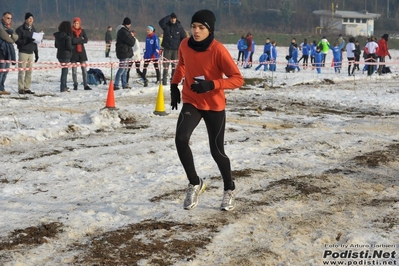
387 8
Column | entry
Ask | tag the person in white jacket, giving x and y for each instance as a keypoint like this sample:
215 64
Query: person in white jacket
350 54
136 59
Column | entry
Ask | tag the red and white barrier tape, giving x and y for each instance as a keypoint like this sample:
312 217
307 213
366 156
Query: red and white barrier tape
132 64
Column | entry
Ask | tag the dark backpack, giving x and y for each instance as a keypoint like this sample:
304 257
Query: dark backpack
386 70
241 45
95 76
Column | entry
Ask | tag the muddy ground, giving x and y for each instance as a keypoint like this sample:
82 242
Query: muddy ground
346 186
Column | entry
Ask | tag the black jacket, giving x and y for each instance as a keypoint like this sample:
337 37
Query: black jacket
81 39
63 43
124 43
173 34
108 37
25 42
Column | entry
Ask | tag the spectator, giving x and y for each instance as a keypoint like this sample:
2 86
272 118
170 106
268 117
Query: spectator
173 34
318 59
79 38
248 50
241 47
63 43
263 62
267 48
252 52
336 49
151 53
295 56
350 54
108 41
313 49
383 52
7 51
357 53
136 60
324 46
124 51
306 50
204 98
273 57
291 47
26 49
371 50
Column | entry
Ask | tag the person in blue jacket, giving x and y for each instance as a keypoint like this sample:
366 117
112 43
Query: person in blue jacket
318 59
263 59
267 48
151 53
273 57
305 48
241 46
336 49
313 48
295 56
252 52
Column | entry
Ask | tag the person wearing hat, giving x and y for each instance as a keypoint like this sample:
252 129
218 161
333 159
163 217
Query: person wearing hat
124 52
7 51
207 69
151 54
173 34
26 49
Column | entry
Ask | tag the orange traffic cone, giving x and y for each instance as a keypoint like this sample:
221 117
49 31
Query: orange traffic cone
160 106
110 103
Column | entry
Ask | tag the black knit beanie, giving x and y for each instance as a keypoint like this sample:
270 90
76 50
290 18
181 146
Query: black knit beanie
205 17
126 21
28 15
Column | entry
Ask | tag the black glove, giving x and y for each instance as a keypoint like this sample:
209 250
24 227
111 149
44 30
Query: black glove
36 58
174 96
201 86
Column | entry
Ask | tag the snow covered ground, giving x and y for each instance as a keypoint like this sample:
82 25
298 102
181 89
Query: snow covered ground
315 158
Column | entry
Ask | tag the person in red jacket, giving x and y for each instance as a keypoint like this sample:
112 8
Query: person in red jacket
383 52
248 51
203 62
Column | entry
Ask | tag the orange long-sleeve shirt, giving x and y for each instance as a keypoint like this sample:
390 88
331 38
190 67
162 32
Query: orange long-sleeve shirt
214 64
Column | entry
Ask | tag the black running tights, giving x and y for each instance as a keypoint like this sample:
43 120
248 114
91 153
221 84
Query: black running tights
215 122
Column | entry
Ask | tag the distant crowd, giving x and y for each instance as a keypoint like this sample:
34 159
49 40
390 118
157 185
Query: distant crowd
374 53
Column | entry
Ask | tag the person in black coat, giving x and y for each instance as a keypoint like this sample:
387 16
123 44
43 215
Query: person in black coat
173 34
124 52
79 38
63 43
7 51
